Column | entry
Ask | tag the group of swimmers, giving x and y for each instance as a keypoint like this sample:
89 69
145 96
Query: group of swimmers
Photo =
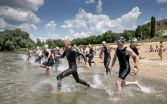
47 58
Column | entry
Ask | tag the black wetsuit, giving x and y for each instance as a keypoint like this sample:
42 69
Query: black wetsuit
107 58
50 61
91 56
78 55
123 63
135 50
71 54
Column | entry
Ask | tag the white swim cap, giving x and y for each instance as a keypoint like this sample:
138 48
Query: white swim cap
103 42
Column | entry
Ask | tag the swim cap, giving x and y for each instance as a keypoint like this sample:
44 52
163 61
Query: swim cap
45 46
89 45
134 40
103 42
57 48
121 39
37 47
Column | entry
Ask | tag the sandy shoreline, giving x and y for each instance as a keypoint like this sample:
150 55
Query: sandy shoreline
150 66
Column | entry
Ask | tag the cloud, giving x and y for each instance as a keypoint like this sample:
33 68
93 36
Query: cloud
162 1
27 26
2 24
90 1
99 8
19 14
98 3
51 27
23 4
80 35
99 23
71 31
163 9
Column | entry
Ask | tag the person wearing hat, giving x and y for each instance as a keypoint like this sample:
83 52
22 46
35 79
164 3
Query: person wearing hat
107 57
49 61
123 54
133 46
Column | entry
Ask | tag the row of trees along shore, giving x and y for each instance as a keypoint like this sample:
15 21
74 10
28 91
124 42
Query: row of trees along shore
11 40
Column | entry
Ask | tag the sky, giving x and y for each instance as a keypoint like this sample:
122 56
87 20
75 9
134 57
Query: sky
61 19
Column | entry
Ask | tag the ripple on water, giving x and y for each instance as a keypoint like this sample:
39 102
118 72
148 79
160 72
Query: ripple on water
23 83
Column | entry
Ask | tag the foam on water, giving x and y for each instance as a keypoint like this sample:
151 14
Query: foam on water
110 92
97 81
147 90
23 56
41 84
51 86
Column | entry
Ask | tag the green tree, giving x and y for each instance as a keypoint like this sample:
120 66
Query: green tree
152 33
14 39
9 45
39 43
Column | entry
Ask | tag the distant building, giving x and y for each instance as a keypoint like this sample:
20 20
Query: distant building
161 27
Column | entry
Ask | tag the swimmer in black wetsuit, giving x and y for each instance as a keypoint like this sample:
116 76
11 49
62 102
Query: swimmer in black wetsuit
106 50
49 59
134 48
123 53
78 58
90 55
70 54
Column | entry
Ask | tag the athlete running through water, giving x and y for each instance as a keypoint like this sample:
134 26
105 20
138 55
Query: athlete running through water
49 59
106 50
38 55
90 55
29 54
57 59
133 46
123 53
71 54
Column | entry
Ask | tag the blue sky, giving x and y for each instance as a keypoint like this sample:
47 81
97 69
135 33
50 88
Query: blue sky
77 18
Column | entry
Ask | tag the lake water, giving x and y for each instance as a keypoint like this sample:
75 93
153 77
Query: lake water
23 83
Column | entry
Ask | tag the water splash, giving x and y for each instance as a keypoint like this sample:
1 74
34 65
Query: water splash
110 92
97 81
147 90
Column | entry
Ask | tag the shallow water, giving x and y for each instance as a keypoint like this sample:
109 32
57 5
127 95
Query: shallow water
23 83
